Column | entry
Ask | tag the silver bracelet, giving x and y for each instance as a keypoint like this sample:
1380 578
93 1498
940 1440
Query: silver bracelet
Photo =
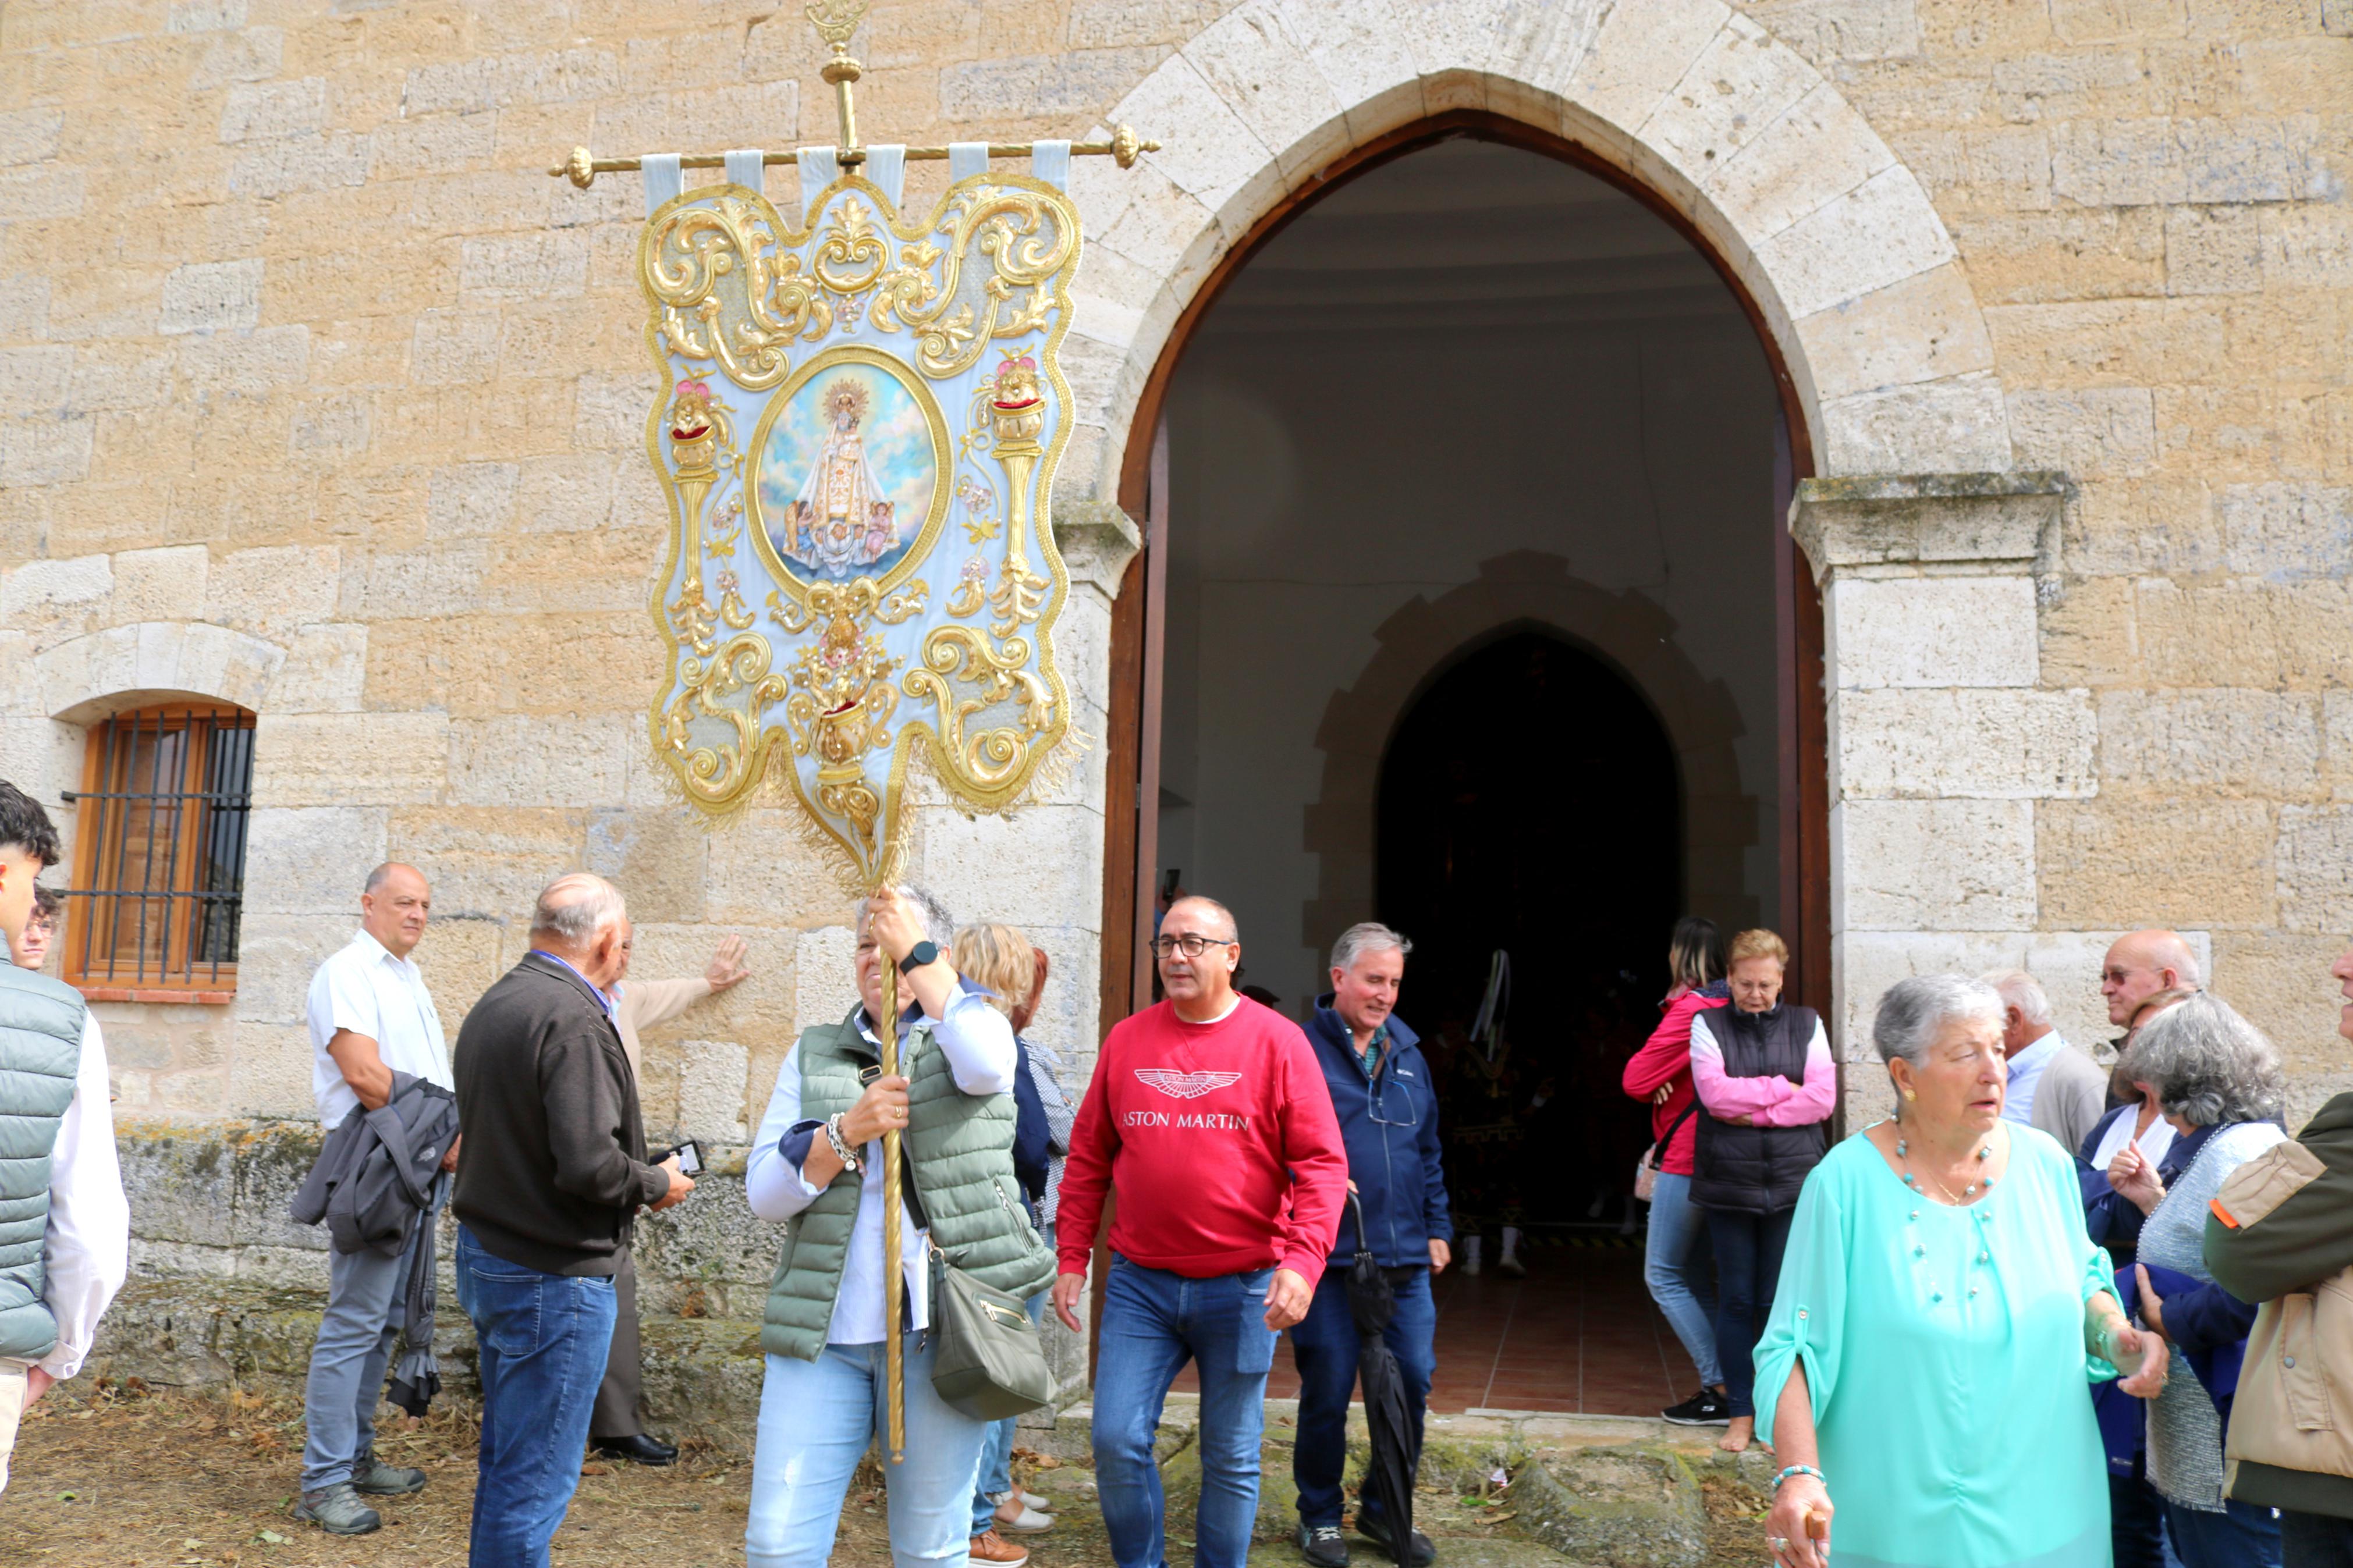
841 1149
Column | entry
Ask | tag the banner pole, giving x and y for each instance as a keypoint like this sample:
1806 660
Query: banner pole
893 1283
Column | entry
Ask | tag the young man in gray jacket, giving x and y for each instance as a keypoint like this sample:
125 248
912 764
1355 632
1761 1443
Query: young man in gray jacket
552 1173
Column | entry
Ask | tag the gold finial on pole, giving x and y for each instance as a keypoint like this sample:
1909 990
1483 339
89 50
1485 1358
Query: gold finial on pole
836 22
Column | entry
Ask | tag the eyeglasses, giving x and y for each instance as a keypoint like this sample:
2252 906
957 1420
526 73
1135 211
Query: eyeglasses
1192 944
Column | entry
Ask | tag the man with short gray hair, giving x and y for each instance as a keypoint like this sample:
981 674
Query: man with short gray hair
1381 1091
553 1173
2053 1086
370 1016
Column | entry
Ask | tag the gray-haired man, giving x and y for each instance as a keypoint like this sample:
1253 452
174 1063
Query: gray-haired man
554 1174
370 1016
2053 1086
1388 1108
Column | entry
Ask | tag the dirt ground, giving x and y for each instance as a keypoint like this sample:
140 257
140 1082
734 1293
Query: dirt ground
135 1478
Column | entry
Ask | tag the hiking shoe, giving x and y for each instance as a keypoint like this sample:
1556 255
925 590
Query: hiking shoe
1324 1546
990 1547
337 1509
1376 1528
1705 1408
371 1477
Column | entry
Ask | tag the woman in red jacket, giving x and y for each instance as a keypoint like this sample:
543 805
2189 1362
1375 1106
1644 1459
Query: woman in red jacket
1675 1264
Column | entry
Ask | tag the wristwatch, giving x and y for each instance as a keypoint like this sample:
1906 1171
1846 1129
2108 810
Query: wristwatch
920 954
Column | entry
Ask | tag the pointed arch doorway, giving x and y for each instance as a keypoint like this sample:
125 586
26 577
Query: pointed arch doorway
1554 835
1354 456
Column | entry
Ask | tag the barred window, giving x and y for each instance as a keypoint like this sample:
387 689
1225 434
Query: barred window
159 859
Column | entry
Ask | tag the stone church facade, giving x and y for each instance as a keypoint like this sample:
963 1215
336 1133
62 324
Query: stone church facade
320 399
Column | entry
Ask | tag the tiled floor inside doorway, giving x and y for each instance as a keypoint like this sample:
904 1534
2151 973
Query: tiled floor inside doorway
1578 1334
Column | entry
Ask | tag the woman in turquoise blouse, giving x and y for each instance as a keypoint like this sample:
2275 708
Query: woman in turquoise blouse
1940 1310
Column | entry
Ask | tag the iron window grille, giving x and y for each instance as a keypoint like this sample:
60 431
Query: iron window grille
159 861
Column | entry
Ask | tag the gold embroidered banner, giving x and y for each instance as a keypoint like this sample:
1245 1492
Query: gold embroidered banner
859 426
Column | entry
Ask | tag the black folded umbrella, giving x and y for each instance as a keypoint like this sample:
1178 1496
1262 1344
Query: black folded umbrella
417 1376
1388 1415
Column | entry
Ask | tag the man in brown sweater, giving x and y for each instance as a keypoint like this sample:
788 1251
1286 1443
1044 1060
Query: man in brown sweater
617 1430
552 1173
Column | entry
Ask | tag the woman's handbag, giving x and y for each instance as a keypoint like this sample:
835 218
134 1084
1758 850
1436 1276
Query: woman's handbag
991 1361
1646 1169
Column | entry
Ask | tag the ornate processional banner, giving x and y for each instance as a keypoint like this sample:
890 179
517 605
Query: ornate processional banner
858 428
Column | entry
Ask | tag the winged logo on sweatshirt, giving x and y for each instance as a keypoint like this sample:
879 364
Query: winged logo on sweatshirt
1186 1085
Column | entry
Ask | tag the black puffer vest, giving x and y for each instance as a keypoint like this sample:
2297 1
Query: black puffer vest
1758 1170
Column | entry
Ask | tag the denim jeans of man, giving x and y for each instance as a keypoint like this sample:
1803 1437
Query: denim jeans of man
817 1418
1748 1250
1324 1345
2314 1541
2244 1536
997 1450
542 1340
1679 1267
362 1323
1154 1321
2136 1524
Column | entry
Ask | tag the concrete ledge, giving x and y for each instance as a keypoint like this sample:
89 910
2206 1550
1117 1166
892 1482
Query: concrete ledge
1926 521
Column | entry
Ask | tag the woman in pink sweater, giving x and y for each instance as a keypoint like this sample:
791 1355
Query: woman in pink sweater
1675 1263
1767 1087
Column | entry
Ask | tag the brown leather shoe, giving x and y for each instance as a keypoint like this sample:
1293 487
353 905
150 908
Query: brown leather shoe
990 1547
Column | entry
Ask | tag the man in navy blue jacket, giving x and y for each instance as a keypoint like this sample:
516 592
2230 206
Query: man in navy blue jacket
1389 1119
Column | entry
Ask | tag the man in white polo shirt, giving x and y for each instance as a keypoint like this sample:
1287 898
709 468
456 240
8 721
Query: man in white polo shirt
370 1016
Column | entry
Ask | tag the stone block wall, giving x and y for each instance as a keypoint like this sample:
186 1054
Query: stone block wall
318 395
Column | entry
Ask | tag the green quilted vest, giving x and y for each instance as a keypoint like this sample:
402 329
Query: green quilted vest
958 1152
41 1052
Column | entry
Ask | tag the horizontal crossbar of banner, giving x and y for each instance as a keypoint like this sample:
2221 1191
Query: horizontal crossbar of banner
582 169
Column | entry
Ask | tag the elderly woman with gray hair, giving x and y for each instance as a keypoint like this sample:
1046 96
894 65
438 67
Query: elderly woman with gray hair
2218 1083
1940 1307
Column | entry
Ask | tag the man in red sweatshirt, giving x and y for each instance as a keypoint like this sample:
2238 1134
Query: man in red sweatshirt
1210 1115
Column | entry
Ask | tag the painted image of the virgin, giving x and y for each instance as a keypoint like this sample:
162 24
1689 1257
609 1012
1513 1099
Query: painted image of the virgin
842 520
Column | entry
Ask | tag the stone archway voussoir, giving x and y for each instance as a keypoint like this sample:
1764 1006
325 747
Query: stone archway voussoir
84 677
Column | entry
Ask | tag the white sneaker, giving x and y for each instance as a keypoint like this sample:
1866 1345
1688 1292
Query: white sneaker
1026 1520
1471 1254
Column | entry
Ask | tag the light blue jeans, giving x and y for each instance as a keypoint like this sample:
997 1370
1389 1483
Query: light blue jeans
816 1421
1675 1264
1155 1321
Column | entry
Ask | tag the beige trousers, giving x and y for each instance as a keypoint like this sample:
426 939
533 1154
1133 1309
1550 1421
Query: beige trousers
12 1408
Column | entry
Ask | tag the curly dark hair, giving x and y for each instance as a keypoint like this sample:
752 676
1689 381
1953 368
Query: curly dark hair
25 826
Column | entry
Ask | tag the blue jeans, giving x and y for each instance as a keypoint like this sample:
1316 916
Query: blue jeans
1747 1267
2243 1536
1675 1267
817 1418
347 1362
2136 1524
542 1340
997 1451
1324 1345
1153 1323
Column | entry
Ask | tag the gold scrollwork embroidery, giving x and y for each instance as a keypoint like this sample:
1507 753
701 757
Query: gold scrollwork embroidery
1026 240
988 756
722 297
714 774
850 242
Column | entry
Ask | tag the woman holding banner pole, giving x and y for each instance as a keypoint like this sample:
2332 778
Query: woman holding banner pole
817 1162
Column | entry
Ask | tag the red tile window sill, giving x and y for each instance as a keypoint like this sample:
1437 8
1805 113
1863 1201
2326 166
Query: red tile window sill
156 994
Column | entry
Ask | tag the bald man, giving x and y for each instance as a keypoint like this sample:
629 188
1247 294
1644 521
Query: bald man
2140 964
370 1017
555 1173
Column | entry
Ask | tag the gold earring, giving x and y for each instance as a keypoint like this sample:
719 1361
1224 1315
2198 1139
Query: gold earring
1910 1095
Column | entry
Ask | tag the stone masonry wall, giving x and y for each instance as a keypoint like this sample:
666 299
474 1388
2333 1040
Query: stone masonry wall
318 394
